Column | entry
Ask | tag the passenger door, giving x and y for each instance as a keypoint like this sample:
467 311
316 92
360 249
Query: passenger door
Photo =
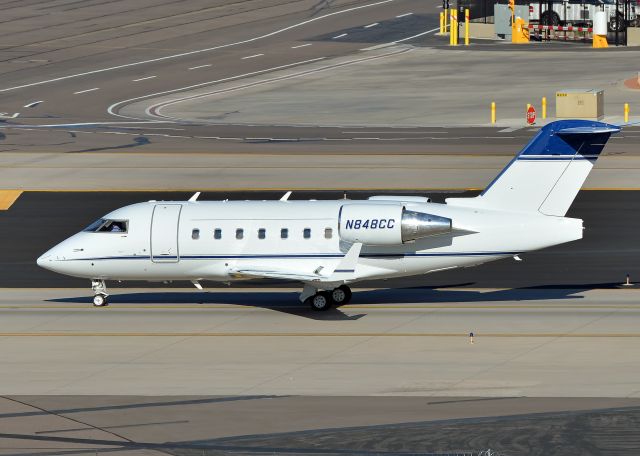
164 233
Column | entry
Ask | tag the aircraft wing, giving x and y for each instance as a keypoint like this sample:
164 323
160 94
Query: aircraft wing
343 271
277 274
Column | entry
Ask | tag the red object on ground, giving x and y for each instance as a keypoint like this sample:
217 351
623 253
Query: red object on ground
531 115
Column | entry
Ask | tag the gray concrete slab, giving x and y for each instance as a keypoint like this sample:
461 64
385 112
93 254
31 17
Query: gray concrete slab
415 344
213 425
417 87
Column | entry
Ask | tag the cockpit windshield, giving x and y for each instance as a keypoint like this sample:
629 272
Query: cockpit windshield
108 226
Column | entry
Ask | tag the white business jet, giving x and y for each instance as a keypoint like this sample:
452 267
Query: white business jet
329 245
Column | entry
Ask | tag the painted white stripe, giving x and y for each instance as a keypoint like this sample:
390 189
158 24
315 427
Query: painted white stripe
415 36
111 108
154 110
339 36
252 56
199 66
300 46
404 15
199 51
33 104
372 25
380 46
144 79
85 91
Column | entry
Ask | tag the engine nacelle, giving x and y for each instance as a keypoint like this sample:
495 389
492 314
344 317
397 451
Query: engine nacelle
387 224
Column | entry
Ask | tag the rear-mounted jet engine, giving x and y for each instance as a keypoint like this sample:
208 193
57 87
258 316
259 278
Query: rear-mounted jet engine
388 224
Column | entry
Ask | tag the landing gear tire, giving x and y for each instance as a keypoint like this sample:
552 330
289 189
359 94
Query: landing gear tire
320 301
341 295
617 23
100 300
550 19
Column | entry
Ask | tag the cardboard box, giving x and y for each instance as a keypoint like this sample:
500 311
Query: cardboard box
580 104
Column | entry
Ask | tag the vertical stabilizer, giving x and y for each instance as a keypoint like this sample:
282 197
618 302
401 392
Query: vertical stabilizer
548 173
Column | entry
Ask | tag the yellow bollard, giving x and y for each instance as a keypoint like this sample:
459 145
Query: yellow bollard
451 34
493 112
446 19
442 27
456 27
544 107
466 27
626 112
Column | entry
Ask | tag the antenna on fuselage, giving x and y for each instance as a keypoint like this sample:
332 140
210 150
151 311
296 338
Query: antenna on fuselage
286 196
194 198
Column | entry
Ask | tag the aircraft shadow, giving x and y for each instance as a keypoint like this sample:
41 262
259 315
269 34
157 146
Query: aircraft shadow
287 302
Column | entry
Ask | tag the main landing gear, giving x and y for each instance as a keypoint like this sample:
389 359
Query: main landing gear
323 300
100 298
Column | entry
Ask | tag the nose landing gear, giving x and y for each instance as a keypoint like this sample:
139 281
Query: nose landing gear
100 298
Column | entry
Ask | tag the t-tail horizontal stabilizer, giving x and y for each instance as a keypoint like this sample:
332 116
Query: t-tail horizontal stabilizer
548 173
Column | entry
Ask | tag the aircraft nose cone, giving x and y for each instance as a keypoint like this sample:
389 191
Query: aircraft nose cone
44 260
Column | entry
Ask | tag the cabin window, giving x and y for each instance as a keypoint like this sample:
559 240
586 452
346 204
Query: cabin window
217 233
328 233
108 226
239 233
284 233
306 233
195 233
262 233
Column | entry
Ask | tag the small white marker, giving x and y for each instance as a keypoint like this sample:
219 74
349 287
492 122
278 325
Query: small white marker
200 66
85 91
339 36
252 56
404 15
300 46
372 25
144 79
33 104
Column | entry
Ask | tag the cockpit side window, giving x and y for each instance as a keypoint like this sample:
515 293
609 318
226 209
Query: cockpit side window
108 226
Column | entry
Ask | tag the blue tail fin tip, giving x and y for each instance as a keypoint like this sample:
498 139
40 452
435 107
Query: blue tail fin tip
566 138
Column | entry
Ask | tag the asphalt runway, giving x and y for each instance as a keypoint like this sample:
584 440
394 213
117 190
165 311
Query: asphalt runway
608 251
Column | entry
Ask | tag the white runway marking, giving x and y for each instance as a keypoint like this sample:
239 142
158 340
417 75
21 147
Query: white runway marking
198 51
85 91
144 79
252 56
339 36
380 46
200 66
404 15
111 108
372 25
154 110
300 46
33 104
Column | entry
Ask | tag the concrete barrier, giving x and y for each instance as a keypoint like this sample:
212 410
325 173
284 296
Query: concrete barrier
480 31
633 36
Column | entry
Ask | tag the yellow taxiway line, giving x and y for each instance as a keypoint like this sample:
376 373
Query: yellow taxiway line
8 197
317 334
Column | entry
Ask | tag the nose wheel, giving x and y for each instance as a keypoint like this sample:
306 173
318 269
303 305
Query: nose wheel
100 298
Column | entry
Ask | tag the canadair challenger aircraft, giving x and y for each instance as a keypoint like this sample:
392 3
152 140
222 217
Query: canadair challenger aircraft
328 245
